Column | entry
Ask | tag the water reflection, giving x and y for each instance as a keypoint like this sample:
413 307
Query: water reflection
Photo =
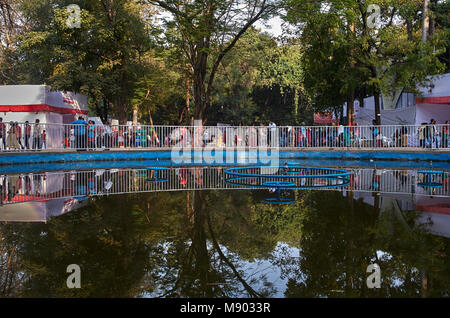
151 241
17 188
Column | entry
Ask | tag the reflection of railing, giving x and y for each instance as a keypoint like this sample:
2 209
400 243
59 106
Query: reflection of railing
97 136
65 184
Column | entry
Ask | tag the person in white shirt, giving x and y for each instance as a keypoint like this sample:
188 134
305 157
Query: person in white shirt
272 133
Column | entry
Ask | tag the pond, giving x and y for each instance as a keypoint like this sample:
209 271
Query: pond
189 232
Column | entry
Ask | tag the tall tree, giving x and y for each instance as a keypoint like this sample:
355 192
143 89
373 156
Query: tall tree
353 48
206 31
101 57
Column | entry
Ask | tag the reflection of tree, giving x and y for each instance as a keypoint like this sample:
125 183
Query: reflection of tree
163 244
200 244
341 237
11 275
205 270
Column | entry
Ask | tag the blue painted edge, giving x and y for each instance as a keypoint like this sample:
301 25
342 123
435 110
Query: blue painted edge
195 157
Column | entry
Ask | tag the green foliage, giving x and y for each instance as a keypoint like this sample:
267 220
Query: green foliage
344 56
202 59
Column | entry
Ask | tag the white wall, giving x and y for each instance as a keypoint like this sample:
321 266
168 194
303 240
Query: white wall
22 94
23 116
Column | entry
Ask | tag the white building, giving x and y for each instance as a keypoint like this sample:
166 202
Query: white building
30 102
406 109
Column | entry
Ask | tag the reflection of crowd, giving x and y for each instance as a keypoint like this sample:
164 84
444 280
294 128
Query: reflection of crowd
430 136
43 186
22 188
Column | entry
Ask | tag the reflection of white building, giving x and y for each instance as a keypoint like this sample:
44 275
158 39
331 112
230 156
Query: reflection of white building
399 191
435 211
38 211
404 108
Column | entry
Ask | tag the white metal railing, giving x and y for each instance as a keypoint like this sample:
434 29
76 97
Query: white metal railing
28 187
17 137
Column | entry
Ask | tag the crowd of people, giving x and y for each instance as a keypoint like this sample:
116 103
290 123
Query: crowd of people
22 136
90 135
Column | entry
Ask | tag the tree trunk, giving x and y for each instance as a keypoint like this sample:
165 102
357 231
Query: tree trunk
351 109
122 100
187 91
135 116
376 96
425 20
199 97
409 28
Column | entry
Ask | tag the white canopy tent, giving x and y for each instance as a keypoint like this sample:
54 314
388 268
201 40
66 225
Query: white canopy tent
30 102
435 103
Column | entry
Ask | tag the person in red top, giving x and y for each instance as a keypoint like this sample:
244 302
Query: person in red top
44 139
19 135
3 133
445 134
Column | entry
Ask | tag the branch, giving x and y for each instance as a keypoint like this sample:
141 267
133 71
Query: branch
222 54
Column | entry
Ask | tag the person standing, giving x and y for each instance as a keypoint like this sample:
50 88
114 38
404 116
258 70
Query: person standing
3 133
108 135
262 136
37 135
12 138
19 135
404 134
27 134
422 134
445 132
44 140
91 135
432 134
375 133
80 133
272 133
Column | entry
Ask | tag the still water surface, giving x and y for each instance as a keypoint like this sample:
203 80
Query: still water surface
189 233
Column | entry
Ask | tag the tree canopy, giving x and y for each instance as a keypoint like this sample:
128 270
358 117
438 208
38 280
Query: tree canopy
168 62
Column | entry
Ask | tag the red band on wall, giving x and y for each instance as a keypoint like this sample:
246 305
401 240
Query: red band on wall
433 100
41 108
440 209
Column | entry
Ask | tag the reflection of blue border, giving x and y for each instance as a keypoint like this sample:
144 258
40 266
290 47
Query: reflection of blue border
81 198
278 201
343 184
430 172
430 184
278 184
156 178
341 172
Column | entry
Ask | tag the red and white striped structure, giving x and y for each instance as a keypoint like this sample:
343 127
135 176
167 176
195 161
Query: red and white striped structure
30 102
